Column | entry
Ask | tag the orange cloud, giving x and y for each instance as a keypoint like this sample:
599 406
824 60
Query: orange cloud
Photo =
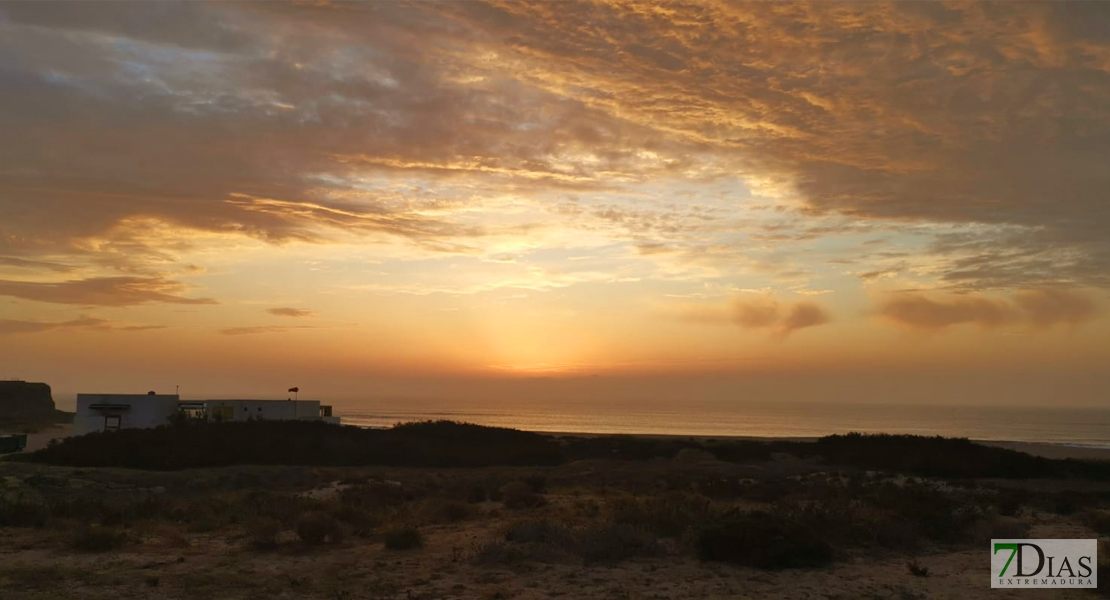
102 291
12 326
290 312
263 329
764 312
1042 308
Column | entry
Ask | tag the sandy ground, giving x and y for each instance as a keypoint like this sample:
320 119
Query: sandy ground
166 559
39 440
185 565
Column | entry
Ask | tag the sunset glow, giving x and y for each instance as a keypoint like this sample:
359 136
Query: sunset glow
545 201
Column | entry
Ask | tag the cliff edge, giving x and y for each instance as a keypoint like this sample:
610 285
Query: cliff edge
24 403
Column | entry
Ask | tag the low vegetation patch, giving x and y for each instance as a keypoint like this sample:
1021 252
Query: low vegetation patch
452 444
317 528
402 538
762 540
916 569
263 532
594 542
1098 520
98 539
519 494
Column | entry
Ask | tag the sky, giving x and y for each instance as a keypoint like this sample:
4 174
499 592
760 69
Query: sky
876 202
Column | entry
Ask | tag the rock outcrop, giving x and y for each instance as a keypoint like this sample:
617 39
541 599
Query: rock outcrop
26 403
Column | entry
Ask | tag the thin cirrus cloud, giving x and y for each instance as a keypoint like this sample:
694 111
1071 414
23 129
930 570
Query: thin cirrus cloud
260 329
102 291
14 326
290 312
1038 308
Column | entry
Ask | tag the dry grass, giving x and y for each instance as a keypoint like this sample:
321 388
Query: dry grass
647 528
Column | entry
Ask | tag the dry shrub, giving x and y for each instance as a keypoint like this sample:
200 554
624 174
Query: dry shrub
539 531
315 528
996 528
543 540
403 538
613 542
519 494
441 510
896 532
98 539
1098 520
263 532
764 541
668 515
917 570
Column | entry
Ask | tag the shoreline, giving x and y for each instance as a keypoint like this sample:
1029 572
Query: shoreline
1053 450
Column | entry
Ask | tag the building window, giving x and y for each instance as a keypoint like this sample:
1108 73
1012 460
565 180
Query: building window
223 413
111 423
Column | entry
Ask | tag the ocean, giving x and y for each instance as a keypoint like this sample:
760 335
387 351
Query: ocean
1071 426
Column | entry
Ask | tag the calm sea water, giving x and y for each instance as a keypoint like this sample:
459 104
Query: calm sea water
1078 426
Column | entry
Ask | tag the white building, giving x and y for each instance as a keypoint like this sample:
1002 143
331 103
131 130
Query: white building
110 412
252 410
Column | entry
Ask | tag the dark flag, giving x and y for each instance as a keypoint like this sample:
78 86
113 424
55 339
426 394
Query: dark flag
294 389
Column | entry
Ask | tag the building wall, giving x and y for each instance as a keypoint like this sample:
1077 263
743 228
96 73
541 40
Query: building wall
273 410
144 410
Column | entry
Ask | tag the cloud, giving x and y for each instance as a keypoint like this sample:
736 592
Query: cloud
782 318
37 265
414 122
1049 307
13 326
290 312
252 330
102 291
1039 308
762 312
802 315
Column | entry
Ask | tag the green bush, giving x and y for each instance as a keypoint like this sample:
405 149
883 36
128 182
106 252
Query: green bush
402 538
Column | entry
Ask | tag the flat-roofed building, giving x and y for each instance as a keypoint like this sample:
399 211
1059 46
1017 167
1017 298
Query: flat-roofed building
110 412
248 410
